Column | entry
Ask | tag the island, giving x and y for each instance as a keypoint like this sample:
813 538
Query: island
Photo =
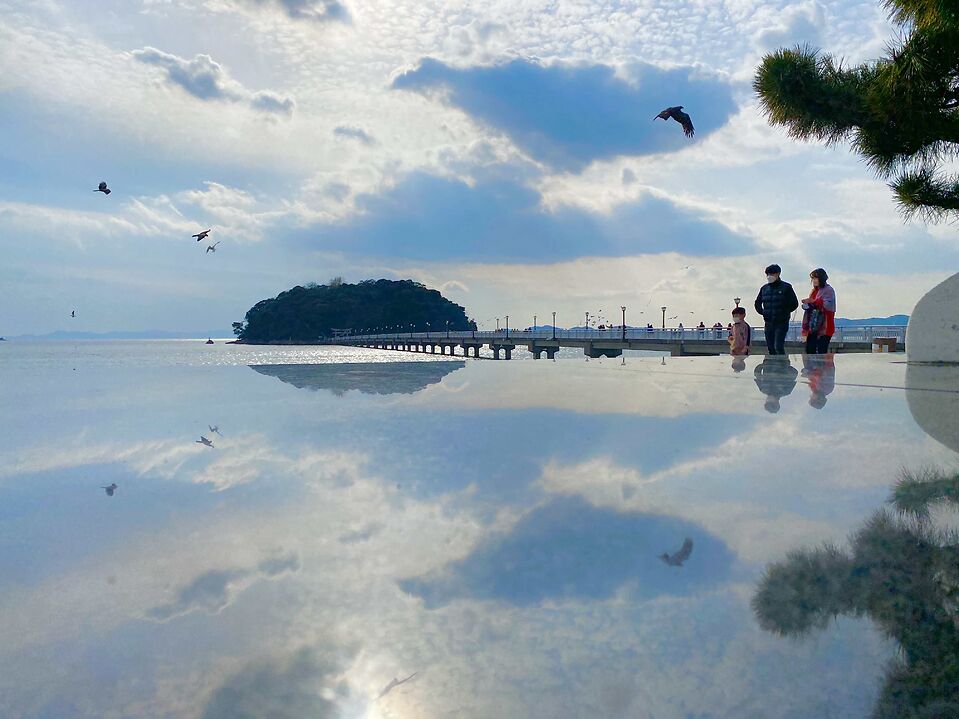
317 313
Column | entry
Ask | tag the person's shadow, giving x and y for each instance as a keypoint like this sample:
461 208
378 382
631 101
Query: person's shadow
776 378
820 372
902 572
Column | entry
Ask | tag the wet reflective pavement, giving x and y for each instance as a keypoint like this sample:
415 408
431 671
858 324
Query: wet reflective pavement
685 537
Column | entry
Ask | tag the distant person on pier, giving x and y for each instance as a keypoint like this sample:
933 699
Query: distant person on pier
740 333
776 301
818 322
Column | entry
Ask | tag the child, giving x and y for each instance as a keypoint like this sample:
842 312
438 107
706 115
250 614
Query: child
741 334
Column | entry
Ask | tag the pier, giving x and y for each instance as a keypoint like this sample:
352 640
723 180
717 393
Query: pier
687 342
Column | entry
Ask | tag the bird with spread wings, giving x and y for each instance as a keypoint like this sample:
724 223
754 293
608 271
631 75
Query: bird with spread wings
679 116
677 559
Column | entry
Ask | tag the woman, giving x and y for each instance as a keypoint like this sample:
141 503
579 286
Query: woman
818 323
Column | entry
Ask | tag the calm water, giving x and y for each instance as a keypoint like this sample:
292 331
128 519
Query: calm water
493 529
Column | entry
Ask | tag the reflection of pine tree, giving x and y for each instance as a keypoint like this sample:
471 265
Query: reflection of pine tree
904 575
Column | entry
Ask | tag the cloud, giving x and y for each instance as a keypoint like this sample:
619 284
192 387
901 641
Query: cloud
799 23
566 116
571 549
354 133
303 685
499 219
213 590
206 79
320 11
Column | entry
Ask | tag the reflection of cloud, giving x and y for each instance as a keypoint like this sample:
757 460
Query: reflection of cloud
213 590
361 535
320 11
354 133
571 549
302 686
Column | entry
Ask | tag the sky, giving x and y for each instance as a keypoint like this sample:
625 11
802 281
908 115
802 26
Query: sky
504 153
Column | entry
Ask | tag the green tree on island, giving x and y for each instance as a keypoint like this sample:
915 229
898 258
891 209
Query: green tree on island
305 314
899 113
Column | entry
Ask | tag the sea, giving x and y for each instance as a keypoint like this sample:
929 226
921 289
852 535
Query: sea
213 531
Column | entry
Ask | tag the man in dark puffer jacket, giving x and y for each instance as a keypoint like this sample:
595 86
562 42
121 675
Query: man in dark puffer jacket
776 301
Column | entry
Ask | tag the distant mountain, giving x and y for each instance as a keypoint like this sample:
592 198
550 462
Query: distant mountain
141 335
894 320
365 377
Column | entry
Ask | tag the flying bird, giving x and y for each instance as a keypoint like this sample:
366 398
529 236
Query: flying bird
677 559
395 683
73 313
679 116
202 235
110 489
102 187
215 428
204 441
212 248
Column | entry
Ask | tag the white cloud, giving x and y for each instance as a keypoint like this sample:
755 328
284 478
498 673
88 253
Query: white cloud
206 79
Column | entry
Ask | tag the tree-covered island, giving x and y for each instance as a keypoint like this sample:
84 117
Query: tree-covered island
314 312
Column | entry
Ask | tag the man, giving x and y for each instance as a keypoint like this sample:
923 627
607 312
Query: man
776 301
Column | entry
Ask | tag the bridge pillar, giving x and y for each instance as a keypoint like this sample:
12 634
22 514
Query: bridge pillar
550 353
495 352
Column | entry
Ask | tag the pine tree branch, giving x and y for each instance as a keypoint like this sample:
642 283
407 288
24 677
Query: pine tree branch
925 194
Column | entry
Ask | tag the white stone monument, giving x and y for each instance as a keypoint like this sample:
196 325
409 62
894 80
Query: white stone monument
933 331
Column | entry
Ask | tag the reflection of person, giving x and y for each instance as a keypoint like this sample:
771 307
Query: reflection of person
776 301
818 322
776 378
739 364
740 334
820 371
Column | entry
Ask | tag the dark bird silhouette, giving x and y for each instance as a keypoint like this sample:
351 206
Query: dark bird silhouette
679 116
202 235
212 248
103 188
110 489
677 559
215 428
73 313
395 683
204 441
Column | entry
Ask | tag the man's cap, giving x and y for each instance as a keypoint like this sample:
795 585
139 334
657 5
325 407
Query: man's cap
774 270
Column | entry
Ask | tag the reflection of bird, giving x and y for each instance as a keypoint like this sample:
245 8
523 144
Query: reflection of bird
677 559
395 683
111 489
212 248
215 428
679 116
102 187
204 441
201 235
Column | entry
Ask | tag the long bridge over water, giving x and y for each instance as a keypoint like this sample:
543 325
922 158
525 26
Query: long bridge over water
611 343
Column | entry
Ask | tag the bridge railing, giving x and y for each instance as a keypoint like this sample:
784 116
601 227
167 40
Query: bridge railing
670 334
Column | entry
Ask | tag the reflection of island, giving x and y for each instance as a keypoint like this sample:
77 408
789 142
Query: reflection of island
366 377
901 572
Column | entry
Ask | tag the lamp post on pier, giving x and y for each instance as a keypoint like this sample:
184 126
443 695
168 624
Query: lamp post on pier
447 329
427 330
554 325
587 322
623 308
534 323
507 326
664 316
497 324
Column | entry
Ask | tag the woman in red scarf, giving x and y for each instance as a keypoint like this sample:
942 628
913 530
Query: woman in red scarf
818 322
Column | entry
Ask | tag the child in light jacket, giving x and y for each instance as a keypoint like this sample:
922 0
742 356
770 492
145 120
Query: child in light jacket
740 336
